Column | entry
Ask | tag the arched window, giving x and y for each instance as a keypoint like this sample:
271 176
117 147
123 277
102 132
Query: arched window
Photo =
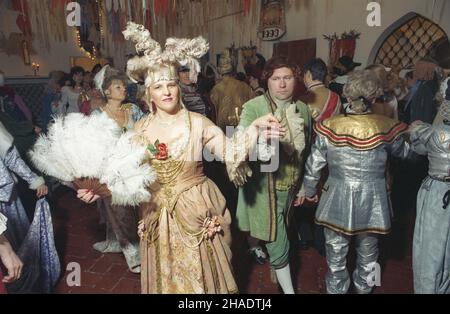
408 40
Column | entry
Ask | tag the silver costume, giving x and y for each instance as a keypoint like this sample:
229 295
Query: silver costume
431 244
355 199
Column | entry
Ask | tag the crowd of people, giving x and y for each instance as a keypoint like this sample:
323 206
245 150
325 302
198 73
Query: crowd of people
341 149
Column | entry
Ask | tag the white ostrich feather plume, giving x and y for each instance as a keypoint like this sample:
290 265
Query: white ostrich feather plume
182 51
125 174
144 43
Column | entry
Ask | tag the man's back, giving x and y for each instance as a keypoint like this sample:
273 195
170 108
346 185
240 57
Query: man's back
322 102
228 96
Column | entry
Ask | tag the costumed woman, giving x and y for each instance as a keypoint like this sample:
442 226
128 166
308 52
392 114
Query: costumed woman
18 230
431 244
355 146
185 228
121 221
70 95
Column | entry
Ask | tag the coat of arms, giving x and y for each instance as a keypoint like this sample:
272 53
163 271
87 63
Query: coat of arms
272 24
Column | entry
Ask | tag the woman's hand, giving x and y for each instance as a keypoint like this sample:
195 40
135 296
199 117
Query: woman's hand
41 191
11 261
269 126
414 125
141 229
37 130
87 196
299 201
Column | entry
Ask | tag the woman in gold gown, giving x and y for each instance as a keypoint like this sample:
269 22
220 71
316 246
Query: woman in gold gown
185 228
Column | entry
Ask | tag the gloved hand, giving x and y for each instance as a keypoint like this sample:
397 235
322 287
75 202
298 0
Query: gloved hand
238 175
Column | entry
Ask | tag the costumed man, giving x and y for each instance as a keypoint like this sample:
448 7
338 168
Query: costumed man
323 104
192 98
354 201
264 202
229 94
431 249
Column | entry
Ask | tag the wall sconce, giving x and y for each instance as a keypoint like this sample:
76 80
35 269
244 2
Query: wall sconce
35 66
25 53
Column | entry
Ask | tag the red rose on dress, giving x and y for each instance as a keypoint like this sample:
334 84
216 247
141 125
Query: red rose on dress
162 152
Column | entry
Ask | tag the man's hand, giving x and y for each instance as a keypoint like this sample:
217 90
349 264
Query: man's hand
299 201
11 261
87 196
269 126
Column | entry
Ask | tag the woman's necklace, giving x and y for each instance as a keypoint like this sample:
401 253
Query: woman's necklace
158 120
117 115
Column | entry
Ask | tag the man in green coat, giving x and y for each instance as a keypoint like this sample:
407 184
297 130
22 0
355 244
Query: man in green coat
265 200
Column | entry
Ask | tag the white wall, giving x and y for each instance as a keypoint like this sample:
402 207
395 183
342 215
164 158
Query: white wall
58 58
315 18
345 15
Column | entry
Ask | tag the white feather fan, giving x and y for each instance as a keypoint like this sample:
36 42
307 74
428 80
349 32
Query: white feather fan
80 147
125 175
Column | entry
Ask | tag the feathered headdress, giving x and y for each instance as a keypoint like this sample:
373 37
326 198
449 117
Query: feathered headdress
99 78
107 72
152 64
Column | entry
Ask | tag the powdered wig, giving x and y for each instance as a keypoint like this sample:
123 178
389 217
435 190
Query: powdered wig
382 74
362 84
361 88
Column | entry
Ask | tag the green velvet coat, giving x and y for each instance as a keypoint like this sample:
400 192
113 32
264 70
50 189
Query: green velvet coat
256 209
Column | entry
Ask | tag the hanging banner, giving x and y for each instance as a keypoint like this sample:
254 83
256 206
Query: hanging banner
272 24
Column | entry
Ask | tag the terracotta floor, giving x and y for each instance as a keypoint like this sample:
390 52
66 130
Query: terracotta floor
77 228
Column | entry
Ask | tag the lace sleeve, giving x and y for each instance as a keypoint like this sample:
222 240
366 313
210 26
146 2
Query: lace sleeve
3 221
236 150
19 167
